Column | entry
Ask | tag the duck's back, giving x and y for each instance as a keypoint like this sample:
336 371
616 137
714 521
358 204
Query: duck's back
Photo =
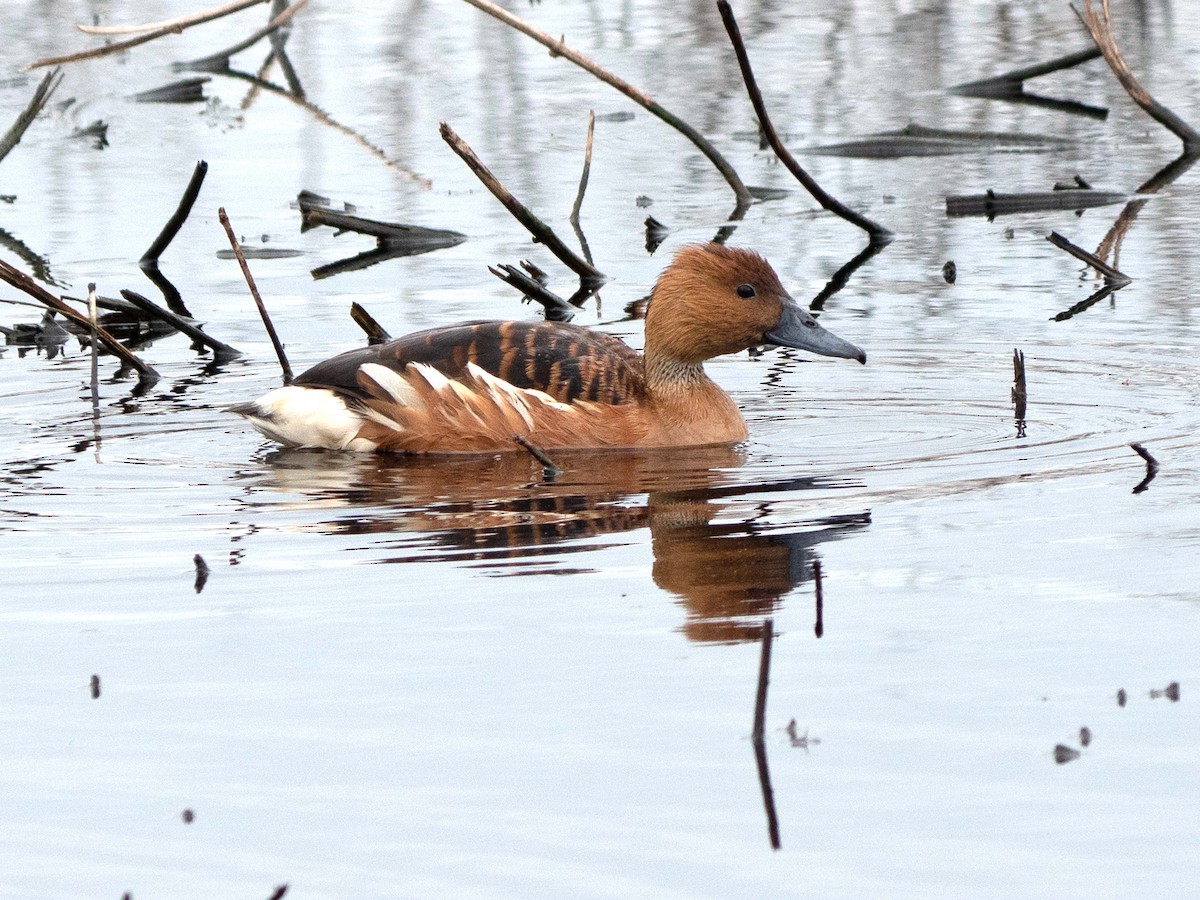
565 361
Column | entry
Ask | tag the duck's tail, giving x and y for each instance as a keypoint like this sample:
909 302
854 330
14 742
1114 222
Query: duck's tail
420 410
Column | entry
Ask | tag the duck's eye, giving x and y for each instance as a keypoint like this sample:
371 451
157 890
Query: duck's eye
746 291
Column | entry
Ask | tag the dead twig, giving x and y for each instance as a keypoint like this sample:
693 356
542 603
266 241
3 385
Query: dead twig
1151 467
221 351
819 627
559 48
540 230
877 232
1020 396
262 309
587 168
40 98
22 282
1099 25
376 333
556 308
1113 276
764 671
174 25
549 469
219 61
119 46
169 230
583 181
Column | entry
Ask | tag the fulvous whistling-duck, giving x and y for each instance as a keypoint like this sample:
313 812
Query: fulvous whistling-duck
471 388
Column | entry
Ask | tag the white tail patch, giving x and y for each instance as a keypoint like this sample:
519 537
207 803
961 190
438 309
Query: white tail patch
306 417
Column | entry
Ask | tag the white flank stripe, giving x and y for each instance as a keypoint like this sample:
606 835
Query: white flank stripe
395 384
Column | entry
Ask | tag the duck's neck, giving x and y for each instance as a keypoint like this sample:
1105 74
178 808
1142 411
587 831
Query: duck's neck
689 405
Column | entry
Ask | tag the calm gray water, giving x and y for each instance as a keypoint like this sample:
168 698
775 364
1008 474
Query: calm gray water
451 678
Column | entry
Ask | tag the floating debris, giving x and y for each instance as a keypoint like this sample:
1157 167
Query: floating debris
95 687
1171 692
97 131
801 740
1019 394
1151 467
201 572
950 272
1065 754
643 202
1112 276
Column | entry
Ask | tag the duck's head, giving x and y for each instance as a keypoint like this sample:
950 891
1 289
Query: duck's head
714 299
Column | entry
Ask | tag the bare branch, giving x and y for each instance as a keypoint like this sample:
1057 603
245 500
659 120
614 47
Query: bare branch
40 98
559 48
1099 25
172 24
877 232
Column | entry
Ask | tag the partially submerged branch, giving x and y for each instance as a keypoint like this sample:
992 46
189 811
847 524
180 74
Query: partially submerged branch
877 232
559 48
262 309
23 282
171 25
171 228
376 333
1011 84
556 308
174 27
1099 25
539 229
221 350
219 61
40 98
1114 276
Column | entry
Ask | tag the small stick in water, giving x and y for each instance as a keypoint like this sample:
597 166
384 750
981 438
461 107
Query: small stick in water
190 193
1019 394
40 98
1151 467
819 627
201 572
262 309
376 333
583 181
764 671
549 469
1113 276
93 315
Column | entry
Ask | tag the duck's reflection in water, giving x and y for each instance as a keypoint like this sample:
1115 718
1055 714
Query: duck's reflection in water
728 544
